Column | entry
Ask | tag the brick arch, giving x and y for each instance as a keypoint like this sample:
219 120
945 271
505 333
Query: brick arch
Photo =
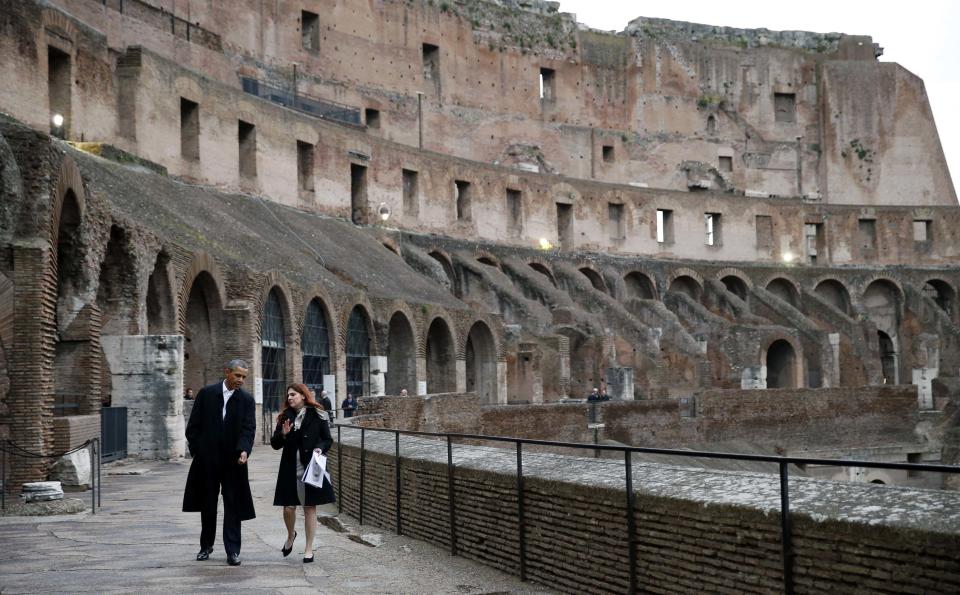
344 320
537 264
188 88
160 302
272 280
565 193
685 272
829 280
401 358
202 262
55 20
441 354
775 276
431 315
634 273
391 308
446 262
485 255
873 279
68 180
318 292
591 267
734 272
799 364
495 329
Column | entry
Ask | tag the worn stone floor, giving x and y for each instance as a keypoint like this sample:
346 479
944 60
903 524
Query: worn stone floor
139 541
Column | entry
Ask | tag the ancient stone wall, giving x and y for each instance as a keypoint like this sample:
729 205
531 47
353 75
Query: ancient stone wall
722 536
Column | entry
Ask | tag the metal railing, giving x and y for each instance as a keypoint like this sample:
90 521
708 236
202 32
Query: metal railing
783 464
320 108
9 448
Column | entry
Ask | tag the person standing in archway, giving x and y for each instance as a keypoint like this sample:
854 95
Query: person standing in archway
220 437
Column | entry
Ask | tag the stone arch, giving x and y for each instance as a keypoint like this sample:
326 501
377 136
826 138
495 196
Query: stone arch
68 188
117 287
202 264
401 354
202 313
688 285
595 278
639 285
488 259
735 281
882 300
785 289
784 365
835 293
446 263
694 276
318 342
481 362
440 352
943 294
274 280
544 270
889 358
358 339
711 124
161 301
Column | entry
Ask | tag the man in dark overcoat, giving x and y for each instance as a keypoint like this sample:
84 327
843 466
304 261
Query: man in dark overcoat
220 436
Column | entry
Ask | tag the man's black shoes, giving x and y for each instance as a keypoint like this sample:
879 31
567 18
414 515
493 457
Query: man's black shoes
204 554
233 559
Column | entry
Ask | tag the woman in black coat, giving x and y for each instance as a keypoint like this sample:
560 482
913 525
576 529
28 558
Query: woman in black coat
301 431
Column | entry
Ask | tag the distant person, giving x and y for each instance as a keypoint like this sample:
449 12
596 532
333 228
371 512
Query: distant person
327 406
403 392
301 431
220 435
349 406
188 396
603 394
594 395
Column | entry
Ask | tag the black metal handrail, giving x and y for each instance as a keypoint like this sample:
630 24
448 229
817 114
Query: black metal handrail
93 444
782 462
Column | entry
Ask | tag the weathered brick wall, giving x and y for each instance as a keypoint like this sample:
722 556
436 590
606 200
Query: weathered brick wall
453 412
723 541
72 431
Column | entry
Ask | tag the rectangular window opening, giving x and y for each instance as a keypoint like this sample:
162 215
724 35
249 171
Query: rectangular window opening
514 211
310 30
664 226
189 129
372 117
867 232
764 227
462 191
547 84
565 225
712 224
247 136
726 164
607 152
615 223
411 190
785 107
358 193
305 166
813 234
59 89
922 230
431 66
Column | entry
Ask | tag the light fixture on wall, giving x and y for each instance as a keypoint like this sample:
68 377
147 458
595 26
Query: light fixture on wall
545 244
384 211
788 257
56 128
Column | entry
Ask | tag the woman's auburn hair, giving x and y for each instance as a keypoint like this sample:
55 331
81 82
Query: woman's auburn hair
303 390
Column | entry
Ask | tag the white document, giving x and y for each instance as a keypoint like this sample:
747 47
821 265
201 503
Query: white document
316 471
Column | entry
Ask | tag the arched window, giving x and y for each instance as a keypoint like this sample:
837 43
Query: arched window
272 352
358 353
315 342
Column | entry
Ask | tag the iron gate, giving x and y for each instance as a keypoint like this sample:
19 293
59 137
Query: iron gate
113 433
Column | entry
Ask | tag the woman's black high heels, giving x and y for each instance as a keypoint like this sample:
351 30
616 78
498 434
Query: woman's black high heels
286 550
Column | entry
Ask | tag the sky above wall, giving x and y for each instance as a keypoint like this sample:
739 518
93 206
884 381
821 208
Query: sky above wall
921 36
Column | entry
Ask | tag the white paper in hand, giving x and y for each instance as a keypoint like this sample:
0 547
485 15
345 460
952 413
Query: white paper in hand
316 471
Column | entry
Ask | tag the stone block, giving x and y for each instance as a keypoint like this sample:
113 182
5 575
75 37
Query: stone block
73 470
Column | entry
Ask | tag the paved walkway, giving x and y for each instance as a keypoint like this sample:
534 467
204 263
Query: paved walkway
139 541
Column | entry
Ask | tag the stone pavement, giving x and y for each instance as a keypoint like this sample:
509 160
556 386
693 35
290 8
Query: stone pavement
139 541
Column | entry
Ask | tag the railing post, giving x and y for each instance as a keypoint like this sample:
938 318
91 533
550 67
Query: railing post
521 520
339 472
396 488
450 498
3 476
363 457
786 535
631 521
99 482
93 484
